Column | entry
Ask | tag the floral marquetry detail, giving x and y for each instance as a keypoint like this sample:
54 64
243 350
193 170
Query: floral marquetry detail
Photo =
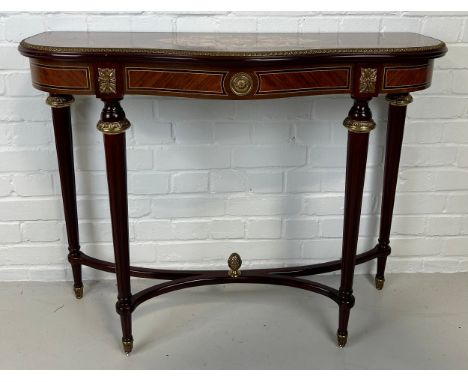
107 81
368 80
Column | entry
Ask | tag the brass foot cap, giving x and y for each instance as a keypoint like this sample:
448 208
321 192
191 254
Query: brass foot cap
128 346
342 339
78 292
379 282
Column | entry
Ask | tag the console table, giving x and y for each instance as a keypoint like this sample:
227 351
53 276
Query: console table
110 65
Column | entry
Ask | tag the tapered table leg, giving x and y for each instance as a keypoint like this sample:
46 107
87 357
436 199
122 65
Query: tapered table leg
113 124
359 123
61 119
395 128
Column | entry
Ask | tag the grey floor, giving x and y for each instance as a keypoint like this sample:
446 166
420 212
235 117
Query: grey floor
416 322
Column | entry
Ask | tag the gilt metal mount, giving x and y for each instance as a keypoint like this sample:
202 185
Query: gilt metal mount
234 263
107 80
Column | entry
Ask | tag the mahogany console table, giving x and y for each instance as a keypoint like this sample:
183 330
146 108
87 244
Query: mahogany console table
230 66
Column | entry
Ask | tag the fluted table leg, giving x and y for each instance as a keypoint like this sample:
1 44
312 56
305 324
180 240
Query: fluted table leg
61 119
359 123
395 128
113 124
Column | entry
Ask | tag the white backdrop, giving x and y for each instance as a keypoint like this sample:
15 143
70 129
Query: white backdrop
207 178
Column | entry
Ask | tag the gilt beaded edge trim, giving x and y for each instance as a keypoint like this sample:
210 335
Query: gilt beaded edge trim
175 52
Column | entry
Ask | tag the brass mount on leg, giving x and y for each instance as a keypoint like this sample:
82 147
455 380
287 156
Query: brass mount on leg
359 119
234 262
78 292
342 339
60 101
113 128
379 282
128 346
113 119
399 99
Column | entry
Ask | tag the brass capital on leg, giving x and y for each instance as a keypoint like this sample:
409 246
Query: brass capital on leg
113 119
58 101
357 126
113 128
399 99
359 119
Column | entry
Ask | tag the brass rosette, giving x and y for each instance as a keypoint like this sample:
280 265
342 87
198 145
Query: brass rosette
356 126
113 128
241 84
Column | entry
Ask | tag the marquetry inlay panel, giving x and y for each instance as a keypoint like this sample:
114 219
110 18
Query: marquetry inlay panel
305 80
397 77
145 79
57 78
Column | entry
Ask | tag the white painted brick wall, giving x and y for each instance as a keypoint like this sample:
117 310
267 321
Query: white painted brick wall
207 178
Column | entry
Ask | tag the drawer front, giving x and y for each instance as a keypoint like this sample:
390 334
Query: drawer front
307 80
142 80
53 78
407 77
